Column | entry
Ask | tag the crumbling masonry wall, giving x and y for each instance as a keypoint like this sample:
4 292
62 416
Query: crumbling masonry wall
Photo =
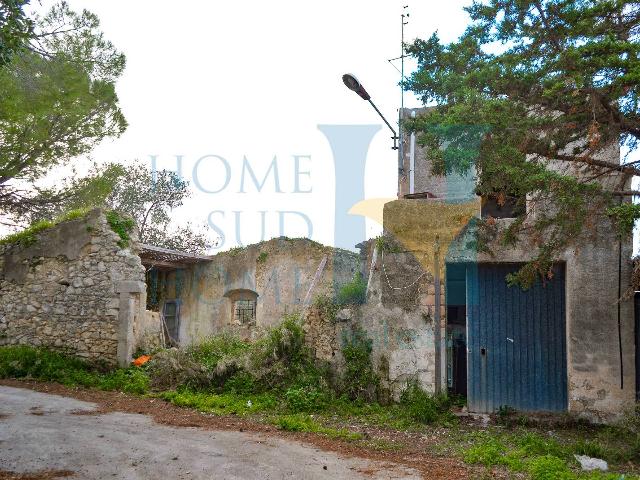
76 290
280 271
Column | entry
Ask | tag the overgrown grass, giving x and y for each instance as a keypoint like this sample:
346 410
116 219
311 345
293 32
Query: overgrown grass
305 423
46 365
540 456
276 379
354 292
222 404
29 235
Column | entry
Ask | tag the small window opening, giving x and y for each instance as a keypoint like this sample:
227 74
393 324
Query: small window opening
244 311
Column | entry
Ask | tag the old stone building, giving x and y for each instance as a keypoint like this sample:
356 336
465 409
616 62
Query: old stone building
437 311
244 290
75 288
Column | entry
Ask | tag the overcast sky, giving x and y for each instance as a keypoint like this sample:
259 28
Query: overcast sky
255 79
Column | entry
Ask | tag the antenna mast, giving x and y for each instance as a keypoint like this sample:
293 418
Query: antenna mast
405 15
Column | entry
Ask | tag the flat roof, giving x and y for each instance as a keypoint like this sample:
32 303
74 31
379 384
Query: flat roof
166 259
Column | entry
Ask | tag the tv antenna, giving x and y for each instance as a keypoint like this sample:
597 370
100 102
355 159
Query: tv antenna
404 17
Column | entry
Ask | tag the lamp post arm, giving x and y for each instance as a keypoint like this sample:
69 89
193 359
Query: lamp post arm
382 117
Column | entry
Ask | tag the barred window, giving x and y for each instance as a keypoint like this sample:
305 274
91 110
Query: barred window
244 311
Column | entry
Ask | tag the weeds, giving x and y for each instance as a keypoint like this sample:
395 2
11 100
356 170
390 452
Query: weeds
424 408
538 455
28 236
354 292
221 404
47 365
306 423
360 381
122 225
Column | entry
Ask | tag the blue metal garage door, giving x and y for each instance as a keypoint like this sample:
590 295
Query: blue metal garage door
516 341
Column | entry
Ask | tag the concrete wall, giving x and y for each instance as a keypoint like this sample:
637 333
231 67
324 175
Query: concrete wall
280 271
75 290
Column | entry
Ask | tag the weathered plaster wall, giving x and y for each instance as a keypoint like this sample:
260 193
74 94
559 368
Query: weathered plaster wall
399 324
75 290
600 368
280 271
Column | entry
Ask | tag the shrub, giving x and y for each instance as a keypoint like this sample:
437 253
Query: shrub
130 380
354 292
212 349
306 399
425 408
43 364
359 381
173 368
281 358
241 383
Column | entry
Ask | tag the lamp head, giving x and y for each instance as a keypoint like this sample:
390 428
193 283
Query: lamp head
352 83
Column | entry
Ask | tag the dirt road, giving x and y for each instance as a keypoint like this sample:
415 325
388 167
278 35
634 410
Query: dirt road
44 432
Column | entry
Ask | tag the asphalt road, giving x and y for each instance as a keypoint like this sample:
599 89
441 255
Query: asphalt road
38 431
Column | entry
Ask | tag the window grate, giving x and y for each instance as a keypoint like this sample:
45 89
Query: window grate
244 311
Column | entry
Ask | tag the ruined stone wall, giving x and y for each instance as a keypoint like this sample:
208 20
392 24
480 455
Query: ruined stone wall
398 317
280 271
75 289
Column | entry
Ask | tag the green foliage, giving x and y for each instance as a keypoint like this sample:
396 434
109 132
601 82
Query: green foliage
57 99
47 365
354 292
305 423
262 257
276 361
29 235
211 350
129 380
549 467
541 456
306 399
424 408
15 29
149 197
624 216
516 93
359 381
121 225
221 404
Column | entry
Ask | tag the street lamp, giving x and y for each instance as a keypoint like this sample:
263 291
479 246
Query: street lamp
352 83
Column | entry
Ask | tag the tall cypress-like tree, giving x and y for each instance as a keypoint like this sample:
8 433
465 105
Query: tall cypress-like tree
549 86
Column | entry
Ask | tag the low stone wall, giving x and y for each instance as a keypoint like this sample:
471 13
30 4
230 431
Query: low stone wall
74 289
